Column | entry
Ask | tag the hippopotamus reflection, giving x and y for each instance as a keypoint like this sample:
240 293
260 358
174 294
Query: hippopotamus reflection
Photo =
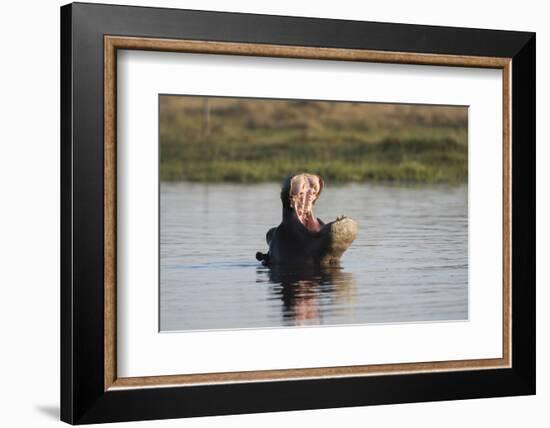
302 289
302 238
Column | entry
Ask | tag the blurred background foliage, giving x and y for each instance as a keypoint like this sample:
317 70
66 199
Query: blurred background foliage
209 139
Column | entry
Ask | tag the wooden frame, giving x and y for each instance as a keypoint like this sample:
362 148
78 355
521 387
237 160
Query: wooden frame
91 390
112 43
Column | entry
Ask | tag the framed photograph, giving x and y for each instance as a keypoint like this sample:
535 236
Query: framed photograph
266 213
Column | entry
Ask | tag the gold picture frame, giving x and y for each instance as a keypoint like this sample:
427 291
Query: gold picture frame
113 43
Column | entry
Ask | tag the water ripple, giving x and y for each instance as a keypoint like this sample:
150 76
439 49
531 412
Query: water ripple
408 264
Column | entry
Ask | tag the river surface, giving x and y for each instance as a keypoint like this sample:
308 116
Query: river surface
409 262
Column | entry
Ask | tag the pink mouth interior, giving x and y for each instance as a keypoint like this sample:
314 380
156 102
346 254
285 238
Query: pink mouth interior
304 191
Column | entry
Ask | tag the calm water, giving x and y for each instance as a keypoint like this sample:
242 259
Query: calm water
409 262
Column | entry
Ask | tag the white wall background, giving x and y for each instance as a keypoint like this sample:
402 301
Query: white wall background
29 219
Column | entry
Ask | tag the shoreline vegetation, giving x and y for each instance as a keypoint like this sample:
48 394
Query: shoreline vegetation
216 140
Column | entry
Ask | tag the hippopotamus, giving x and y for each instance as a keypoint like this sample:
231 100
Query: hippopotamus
302 238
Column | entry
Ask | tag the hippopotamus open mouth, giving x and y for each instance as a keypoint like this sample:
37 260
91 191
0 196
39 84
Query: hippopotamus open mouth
302 238
304 192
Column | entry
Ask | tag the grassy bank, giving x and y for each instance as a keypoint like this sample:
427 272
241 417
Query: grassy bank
228 140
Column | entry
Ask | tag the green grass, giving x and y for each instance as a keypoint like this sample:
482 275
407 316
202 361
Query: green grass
257 140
